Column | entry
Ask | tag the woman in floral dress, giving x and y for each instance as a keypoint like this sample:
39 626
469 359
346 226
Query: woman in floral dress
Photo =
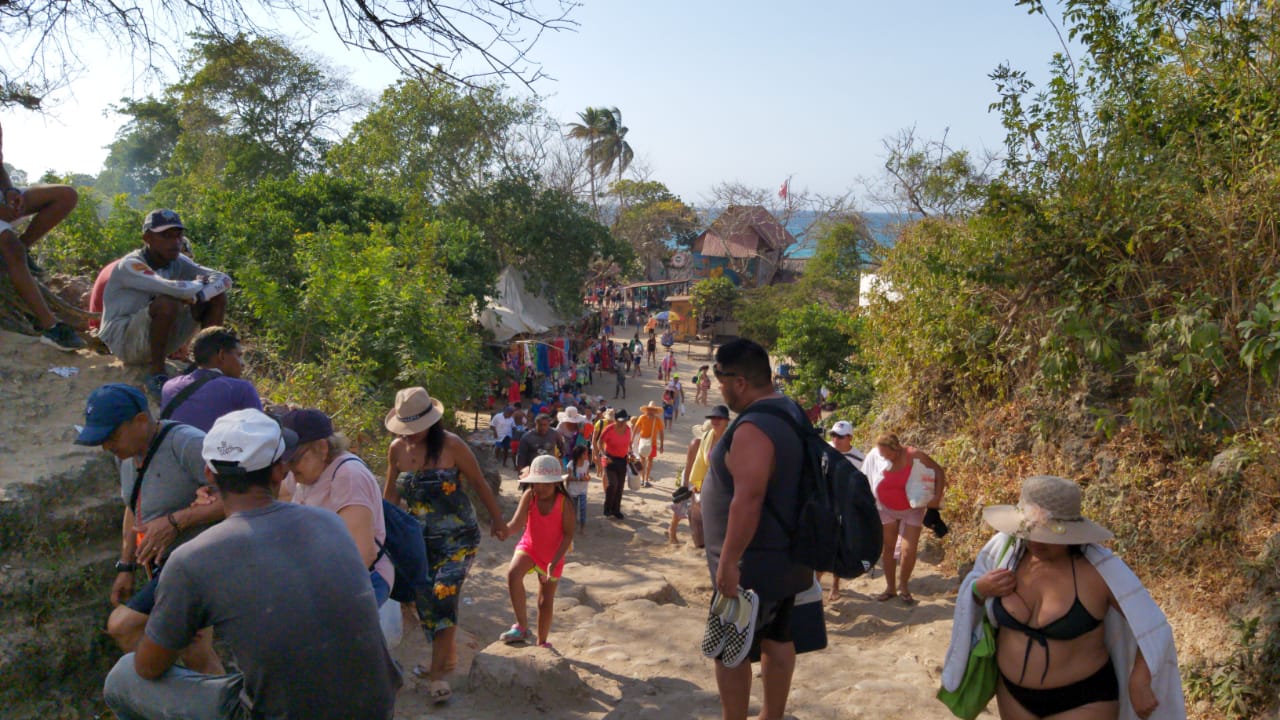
424 466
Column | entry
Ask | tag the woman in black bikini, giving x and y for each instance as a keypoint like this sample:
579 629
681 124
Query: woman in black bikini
1050 645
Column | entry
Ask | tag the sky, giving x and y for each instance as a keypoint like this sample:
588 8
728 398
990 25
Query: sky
711 90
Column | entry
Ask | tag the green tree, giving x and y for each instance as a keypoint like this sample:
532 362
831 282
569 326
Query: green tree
428 141
591 129
139 156
545 233
823 344
834 272
714 300
651 217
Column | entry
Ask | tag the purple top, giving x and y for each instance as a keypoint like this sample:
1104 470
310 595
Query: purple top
213 400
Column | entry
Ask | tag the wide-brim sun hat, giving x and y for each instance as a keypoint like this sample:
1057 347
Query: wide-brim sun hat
543 469
1048 511
414 412
651 407
570 415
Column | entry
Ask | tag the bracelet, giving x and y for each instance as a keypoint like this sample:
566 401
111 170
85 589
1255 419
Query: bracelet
174 522
974 589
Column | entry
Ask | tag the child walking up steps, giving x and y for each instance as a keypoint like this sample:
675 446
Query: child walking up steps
547 514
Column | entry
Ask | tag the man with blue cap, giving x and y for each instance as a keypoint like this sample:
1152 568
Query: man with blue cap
285 587
160 472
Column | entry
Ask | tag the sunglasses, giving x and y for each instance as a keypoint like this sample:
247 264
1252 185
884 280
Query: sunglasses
723 373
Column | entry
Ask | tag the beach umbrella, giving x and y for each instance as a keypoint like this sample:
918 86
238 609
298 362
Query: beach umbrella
663 315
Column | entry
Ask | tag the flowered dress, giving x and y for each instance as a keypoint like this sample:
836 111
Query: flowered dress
452 534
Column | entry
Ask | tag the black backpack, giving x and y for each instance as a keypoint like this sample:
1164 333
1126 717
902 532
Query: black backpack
837 528
405 546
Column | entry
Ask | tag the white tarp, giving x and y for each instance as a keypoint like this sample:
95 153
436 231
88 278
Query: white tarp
512 310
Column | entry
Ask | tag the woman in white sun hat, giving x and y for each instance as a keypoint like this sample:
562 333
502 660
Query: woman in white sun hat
1076 632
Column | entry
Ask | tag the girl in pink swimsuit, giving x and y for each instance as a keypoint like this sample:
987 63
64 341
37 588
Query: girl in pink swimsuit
549 522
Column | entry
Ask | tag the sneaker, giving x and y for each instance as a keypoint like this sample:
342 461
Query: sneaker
516 635
155 384
61 336
740 628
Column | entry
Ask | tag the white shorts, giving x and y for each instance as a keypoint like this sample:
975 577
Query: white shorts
136 345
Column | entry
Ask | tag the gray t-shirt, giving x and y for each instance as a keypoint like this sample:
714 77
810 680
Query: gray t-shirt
766 566
285 587
175 473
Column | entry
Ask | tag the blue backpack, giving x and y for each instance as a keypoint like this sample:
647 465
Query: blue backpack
406 548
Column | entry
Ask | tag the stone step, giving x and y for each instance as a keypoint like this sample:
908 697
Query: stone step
53 665
37 585
81 502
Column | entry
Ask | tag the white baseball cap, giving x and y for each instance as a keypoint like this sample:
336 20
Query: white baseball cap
246 439
842 427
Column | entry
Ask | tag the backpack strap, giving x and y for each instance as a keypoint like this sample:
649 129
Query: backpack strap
146 463
800 431
186 393
382 549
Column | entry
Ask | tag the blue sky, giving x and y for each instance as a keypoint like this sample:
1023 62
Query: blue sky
747 91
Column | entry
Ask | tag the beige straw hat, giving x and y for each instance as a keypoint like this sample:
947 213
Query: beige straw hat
570 415
652 407
414 412
1047 512
543 469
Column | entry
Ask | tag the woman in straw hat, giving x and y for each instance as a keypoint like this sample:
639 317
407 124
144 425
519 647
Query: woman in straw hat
424 465
1077 635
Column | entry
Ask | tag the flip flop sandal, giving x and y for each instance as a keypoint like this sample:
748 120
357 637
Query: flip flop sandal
439 691
886 595
907 598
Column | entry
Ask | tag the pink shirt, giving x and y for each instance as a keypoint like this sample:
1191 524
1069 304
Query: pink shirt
342 487
892 490
543 535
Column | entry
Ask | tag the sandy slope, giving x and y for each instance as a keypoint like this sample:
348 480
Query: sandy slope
629 618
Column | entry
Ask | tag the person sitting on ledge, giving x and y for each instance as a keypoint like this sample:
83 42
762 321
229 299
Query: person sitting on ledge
157 298
47 205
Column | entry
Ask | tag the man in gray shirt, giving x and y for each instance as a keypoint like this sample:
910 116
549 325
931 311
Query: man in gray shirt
283 584
157 298
159 514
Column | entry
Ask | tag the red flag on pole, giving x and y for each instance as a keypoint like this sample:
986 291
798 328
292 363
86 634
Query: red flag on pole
782 191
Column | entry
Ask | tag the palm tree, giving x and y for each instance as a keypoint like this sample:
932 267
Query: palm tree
612 149
595 122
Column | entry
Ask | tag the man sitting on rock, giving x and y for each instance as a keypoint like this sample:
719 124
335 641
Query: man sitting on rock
214 388
47 205
285 586
160 472
156 299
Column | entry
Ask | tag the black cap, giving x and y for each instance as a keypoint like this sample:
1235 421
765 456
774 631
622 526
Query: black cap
719 411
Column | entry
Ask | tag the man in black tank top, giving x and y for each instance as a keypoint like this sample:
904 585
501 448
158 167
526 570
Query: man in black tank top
746 547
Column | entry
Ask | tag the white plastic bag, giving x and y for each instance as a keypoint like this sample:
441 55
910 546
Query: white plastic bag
920 485
644 447
633 478
392 622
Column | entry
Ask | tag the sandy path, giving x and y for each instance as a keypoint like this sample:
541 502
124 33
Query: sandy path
629 618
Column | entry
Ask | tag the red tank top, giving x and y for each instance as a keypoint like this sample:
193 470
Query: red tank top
892 490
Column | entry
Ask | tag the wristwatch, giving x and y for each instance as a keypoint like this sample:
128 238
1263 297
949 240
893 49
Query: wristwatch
125 567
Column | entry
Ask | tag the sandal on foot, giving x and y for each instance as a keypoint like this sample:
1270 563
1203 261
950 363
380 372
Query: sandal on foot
516 635
907 597
422 672
887 594
439 691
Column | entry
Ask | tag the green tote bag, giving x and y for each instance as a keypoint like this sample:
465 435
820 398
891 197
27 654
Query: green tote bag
979 682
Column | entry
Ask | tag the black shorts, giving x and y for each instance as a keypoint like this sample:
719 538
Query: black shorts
145 598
